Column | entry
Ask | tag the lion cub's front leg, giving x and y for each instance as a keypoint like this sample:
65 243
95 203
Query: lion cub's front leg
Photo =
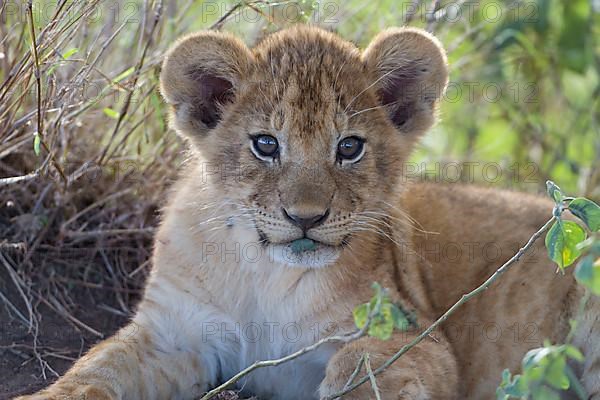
160 355
117 368
427 371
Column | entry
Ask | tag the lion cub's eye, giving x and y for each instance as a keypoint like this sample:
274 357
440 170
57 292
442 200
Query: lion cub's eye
265 145
350 148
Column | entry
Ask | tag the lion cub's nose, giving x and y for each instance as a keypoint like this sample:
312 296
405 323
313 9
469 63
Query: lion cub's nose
306 221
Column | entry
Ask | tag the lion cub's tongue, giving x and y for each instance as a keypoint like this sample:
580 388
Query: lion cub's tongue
300 245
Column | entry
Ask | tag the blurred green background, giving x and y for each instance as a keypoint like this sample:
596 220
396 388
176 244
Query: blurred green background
522 106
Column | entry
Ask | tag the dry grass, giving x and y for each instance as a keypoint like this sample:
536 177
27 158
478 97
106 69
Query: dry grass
85 156
79 186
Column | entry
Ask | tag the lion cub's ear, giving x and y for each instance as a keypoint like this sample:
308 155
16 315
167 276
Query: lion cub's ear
410 69
200 77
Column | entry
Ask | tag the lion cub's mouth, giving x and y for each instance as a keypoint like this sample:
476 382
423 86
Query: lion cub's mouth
305 252
304 244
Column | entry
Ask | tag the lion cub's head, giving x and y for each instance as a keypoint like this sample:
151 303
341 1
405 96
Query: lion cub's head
311 131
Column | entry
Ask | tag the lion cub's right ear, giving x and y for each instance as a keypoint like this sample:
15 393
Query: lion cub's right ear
200 77
411 72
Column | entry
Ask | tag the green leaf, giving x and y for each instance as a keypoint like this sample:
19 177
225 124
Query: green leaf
544 367
573 352
111 113
511 386
554 192
37 141
400 320
556 375
361 313
70 52
554 244
383 322
517 388
534 374
506 376
501 394
124 74
382 325
587 273
562 240
587 211
65 56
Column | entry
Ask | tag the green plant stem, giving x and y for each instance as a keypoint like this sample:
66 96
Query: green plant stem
576 385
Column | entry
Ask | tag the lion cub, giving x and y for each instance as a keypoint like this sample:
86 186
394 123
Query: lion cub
295 202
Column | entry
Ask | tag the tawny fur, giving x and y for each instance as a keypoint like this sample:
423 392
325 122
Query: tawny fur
222 295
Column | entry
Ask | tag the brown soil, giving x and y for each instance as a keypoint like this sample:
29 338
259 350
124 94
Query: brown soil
25 368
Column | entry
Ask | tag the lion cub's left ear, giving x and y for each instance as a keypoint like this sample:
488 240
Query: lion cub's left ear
411 74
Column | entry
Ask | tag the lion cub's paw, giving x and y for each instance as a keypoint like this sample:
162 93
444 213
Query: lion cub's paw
71 392
338 371
361 393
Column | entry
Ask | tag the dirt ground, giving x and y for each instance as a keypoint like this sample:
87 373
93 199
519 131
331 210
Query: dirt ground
27 365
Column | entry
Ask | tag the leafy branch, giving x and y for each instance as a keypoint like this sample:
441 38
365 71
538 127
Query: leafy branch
545 370
464 299
567 240
565 237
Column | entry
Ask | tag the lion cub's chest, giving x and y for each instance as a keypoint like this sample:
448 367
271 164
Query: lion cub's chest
261 328
297 379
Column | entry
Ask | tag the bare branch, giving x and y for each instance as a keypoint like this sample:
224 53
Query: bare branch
16 179
359 365
372 377
271 363
465 298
